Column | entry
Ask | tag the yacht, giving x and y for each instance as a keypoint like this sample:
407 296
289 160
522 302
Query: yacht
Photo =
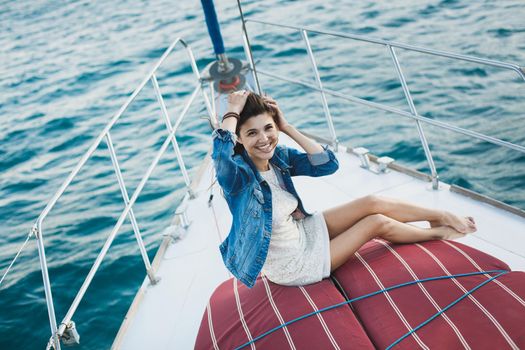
439 294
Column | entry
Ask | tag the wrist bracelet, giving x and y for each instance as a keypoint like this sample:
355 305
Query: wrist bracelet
231 114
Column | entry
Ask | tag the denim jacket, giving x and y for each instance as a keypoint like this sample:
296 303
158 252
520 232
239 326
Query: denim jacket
249 198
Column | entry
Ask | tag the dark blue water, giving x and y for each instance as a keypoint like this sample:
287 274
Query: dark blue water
66 68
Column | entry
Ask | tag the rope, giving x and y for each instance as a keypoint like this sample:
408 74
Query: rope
16 256
210 204
501 272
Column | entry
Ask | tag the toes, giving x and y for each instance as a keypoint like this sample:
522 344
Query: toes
472 222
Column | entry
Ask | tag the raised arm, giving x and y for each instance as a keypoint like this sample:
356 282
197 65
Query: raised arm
236 102
317 161
232 176
309 145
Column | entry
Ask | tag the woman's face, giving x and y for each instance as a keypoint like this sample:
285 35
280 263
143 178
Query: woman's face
259 136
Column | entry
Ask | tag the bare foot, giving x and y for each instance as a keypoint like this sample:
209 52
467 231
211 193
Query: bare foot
460 224
446 232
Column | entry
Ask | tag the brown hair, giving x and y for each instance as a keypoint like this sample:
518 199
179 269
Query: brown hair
255 105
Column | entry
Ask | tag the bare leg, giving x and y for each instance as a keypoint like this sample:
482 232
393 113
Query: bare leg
347 243
341 218
403 211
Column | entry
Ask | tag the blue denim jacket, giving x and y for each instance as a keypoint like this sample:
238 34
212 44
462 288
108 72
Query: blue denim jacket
249 198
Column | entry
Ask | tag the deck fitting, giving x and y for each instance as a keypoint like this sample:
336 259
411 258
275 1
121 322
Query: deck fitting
363 156
383 163
70 335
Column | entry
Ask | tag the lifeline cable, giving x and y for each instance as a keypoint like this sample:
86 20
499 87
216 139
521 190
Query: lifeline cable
501 272
16 256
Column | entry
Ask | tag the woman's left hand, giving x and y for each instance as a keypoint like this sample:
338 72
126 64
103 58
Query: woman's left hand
282 123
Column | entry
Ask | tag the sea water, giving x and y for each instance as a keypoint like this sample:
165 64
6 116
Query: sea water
66 67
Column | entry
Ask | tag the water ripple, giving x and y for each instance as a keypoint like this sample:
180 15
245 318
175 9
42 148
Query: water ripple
69 66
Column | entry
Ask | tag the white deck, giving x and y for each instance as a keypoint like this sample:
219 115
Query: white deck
168 315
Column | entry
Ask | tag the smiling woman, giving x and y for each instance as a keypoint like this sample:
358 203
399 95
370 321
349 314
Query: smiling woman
271 231
256 179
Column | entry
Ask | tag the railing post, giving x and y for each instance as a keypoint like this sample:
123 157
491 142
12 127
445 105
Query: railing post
195 70
248 54
327 114
214 121
210 107
37 231
172 135
430 160
132 218
248 50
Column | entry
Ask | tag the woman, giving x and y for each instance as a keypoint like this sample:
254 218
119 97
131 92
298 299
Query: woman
271 232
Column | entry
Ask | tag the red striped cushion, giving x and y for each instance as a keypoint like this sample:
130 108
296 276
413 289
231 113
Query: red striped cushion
493 317
236 314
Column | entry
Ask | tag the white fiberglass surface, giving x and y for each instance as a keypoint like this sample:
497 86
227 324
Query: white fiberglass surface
169 314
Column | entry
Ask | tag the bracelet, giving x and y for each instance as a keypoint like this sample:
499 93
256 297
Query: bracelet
231 114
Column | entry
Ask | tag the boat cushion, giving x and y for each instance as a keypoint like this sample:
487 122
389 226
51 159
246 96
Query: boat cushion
236 314
492 317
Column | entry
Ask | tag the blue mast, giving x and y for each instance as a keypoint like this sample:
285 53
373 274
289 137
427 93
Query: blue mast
225 72
213 26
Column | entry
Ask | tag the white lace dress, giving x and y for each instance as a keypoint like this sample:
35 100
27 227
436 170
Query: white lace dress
299 251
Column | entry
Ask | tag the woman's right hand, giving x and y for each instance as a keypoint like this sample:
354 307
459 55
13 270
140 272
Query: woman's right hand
237 100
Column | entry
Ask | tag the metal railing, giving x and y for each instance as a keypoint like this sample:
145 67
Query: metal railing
413 114
37 230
